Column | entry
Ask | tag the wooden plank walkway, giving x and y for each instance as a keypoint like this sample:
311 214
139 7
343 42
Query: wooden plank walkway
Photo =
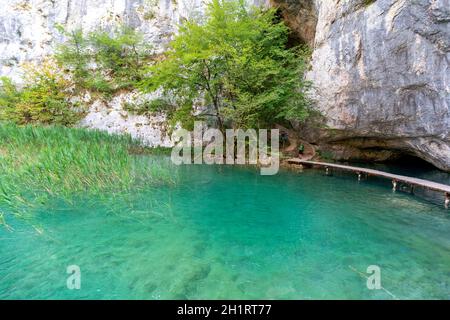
371 172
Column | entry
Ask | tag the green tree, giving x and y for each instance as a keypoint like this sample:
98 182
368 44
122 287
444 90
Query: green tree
236 62
99 62
102 61
44 97
73 55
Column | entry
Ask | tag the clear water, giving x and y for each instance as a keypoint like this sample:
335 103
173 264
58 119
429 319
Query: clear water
229 233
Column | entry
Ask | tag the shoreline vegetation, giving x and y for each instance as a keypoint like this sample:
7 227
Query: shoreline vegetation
235 68
236 64
40 163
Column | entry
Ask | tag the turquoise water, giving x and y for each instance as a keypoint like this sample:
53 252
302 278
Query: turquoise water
227 232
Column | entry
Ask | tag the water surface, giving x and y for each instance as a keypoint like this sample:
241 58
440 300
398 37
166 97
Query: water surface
229 233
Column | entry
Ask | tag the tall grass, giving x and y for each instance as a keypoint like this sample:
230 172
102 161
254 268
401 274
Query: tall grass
38 163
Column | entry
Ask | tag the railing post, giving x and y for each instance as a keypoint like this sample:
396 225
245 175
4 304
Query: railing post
394 185
447 200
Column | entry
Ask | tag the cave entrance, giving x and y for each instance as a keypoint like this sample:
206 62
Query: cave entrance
293 38
300 17
410 165
411 161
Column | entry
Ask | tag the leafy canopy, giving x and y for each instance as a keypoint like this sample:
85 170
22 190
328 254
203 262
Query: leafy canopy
237 63
99 62
44 98
102 61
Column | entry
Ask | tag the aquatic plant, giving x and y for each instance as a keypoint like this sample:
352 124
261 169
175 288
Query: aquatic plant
40 163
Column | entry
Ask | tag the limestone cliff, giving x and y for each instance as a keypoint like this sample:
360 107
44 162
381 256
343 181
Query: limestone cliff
381 73
28 32
380 68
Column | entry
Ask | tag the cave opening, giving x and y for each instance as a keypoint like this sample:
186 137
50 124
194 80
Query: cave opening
410 162
300 17
294 39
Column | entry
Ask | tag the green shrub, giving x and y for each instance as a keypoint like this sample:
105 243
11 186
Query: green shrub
9 98
44 98
73 56
369 2
99 62
104 62
239 63
148 107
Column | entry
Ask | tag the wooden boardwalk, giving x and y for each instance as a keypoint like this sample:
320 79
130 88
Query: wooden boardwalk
395 178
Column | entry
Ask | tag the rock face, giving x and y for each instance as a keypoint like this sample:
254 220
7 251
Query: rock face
380 68
300 16
27 28
111 117
381 73
28 33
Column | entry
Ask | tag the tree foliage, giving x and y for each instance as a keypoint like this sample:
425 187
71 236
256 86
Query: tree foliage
43 99
99 62
236 62
102 61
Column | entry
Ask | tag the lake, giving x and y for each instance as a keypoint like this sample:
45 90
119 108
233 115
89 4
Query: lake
226 232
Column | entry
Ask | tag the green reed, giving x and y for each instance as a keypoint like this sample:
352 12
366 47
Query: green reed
40 163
